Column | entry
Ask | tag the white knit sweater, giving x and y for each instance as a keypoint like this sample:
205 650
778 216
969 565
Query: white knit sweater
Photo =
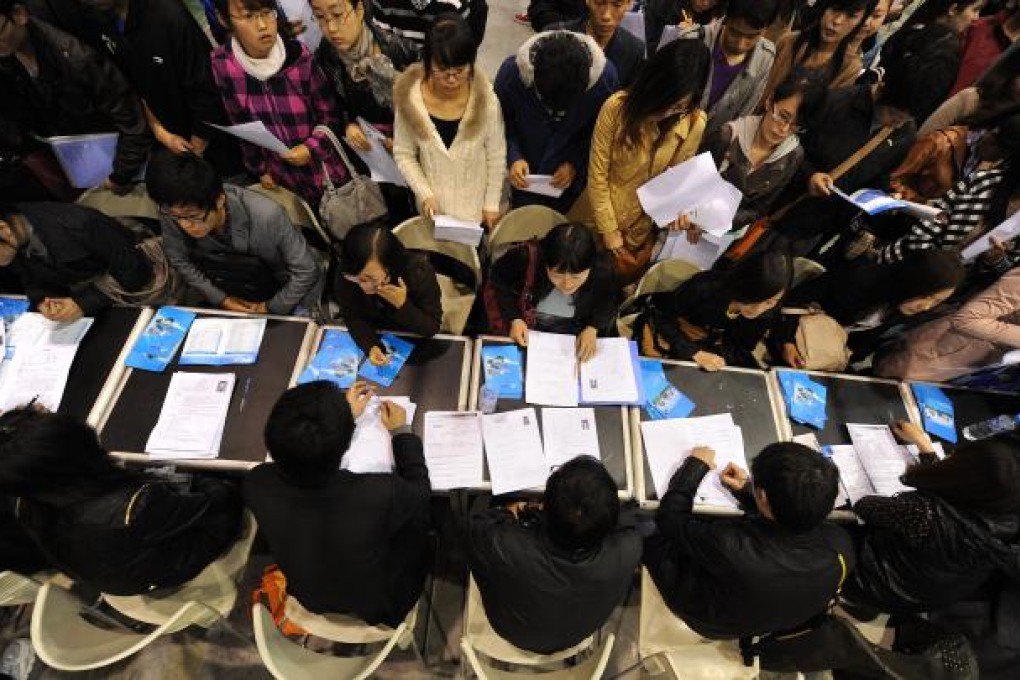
469 176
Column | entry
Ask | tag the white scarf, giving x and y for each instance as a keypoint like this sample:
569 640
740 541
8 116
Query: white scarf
261 69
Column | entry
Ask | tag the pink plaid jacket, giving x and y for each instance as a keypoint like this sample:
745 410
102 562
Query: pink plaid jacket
290 105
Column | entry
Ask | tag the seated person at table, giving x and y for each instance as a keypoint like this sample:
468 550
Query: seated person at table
347 543
602 22
870 299
929 548
716 318
559 284
551 574
119 531
18 552
767 572
381 285
236 248
551 92
72 261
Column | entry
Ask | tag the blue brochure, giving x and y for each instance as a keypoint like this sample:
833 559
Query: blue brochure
10 309
337 360
937 411
397 350
156 348
662 399
805 399
503 370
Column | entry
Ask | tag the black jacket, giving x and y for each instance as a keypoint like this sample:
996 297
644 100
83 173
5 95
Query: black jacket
625 50
702 301
920 553
731 578
77 91
353 544
70 246
364 315
543 14
137 539
540 597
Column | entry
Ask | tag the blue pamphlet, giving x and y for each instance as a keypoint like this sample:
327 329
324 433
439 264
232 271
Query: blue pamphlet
503 370
805 399
397 350
10 309
337 360
937 412
156 348
662 399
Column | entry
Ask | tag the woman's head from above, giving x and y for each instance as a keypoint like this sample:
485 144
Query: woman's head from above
957 14
758 283
839 19
568 253
372 256
341 21
255 24
668 87
924 280
789 109
448 55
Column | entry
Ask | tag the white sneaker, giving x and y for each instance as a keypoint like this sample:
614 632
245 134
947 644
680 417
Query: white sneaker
18 659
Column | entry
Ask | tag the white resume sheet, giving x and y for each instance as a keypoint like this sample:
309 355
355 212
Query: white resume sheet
609 377
551 376
193 417
568 433
371 448
853 480
453 449
43 354
513 448
881 457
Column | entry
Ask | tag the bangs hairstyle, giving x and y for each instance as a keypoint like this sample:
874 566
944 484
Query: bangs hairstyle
569 248
449 43
925 273
372 241
678 71
983 476
223 7
757 14
760 277
185 180
811 36
811 92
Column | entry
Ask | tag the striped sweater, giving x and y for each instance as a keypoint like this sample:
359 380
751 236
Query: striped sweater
966 205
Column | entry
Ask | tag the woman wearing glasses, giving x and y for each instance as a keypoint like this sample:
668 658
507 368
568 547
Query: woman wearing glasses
265 76
760 154
448 140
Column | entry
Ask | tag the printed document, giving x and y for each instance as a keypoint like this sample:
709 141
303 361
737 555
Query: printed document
378 159
568 433
703 254
193 417
853 480
256 133
881 457
1006 231
696 189
44 353
551 375
513 448
609 376
449 228
371 448
219 341
453 449
542 185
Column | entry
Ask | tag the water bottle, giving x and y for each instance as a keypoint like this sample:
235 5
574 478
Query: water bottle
487 398
990 428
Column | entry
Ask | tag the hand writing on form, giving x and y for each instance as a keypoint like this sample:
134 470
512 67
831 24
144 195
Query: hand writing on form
358 396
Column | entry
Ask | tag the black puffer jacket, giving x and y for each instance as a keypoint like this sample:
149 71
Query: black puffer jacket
920 553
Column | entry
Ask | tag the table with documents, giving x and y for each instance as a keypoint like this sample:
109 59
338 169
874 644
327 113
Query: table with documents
141 397
972 406
744 394
610 422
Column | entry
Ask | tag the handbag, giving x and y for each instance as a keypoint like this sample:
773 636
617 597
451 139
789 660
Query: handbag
358 201
821 340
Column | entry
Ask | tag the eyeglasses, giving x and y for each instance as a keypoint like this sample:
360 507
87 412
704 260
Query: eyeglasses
340 18
791 125
264 15
451 73
190 219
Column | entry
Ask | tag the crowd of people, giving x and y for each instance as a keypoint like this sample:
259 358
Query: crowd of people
798 104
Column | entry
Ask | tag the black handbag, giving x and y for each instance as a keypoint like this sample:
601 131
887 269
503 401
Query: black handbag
238 275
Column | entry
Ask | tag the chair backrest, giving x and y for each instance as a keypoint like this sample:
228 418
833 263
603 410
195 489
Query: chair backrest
300 213
661 277
341 627
17 589
136 203
521 224
592 668
804 270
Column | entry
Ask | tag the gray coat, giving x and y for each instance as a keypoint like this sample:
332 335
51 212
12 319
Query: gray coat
259 227
742 96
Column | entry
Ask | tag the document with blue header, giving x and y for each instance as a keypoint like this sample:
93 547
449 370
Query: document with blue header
337 360
219 341
156 348
397 351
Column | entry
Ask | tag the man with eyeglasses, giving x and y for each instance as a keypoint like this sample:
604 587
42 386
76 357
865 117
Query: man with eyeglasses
235 248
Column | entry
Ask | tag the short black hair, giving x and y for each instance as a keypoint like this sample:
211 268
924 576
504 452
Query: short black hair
580 504
758 14
186 179
309 429
760 277
800 484
562 64
569 248
449 43
372 240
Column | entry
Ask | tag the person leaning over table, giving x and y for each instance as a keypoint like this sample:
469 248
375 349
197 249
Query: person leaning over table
234 247
641 132
380 285
559 284
448 135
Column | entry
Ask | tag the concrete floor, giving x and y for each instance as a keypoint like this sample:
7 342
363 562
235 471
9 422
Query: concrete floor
502 34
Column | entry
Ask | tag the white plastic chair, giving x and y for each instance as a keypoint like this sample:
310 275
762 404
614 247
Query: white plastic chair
136 203
481 645
522 224
667 646
287 660
804 270
660 277
17 589
417 234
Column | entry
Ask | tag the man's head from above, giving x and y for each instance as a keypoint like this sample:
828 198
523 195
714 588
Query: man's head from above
794 485
188 191
580 505
744 25
561 64
308 431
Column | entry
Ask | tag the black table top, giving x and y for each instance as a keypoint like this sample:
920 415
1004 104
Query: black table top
744 394
973 406
855 400
609 422
137 408
96 359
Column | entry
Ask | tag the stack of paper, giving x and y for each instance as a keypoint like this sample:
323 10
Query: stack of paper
337 360
881 457
854 476
937 411
610 377
542 185
193 417
371 448
662 398
449 228
44 353
156 348
513 448
453 449
696 189
397 351
503 370
702 254
668 443
569 433
1006 231
379 161
873 202
805 399
219 341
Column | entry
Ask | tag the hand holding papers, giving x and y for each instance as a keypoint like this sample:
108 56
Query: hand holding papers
513 448
449 228
193 416
378 159
453 449
610 377
704 253
873 202
542 185
256 133
219 341
569 433
696 189
156 348
1006 231
371 448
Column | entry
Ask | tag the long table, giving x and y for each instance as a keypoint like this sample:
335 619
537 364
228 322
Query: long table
970 406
